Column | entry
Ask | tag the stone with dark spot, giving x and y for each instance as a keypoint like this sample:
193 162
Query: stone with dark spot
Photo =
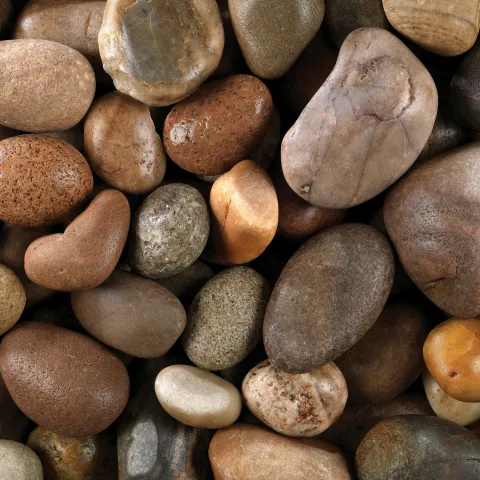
432 217
413 447
62 380
327 297
160 51
169 231
225 318
364 127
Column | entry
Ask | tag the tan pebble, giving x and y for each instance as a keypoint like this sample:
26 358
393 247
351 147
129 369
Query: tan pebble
12 299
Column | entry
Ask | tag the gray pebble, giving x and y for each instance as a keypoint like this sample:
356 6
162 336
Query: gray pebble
19 462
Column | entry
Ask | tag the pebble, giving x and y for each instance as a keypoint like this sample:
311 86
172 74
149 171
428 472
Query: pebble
414 447
12 299
295 405
151 443
62 380
430 217
42 179
356 420
85 255
132 314
245 213
250 452
6 15
451 353
169 231
196 397
345 16
69 458
436 26
327 297
134 35
19 462
225 318
463 413
388 358
338 167
14 425
29 69
122 145
219 125
273 33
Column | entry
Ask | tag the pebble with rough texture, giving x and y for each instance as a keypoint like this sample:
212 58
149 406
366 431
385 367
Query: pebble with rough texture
19 462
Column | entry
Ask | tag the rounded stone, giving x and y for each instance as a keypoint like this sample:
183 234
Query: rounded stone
132 314
47 86
70 458
463 413
243 225
451 353
169 231
62 380
19 462
196 397
251 452
430 217
225 318
12 299
346 147
327 297
122 145
85 255
414 447
388 358
72 22
42 179
135 35
219 125
273 33
301 405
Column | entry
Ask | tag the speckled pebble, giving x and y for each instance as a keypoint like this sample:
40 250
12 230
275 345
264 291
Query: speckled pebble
19 462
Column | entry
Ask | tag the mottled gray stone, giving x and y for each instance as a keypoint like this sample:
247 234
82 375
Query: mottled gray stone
19 462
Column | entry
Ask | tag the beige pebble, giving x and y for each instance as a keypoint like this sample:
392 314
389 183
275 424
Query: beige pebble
12 299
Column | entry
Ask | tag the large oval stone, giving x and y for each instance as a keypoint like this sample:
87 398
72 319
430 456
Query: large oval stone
160 51
327 297
45 86
431 217
365 126
62 380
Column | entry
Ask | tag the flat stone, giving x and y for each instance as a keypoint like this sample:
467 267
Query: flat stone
18 462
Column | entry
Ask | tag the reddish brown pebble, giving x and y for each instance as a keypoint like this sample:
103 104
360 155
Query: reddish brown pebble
218 126
63 380
85 255
42 180
245 212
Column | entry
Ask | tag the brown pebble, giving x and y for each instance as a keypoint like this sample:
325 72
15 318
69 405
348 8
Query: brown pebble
122 145
62 380
245 212
42 180
218 126
12 299
87 252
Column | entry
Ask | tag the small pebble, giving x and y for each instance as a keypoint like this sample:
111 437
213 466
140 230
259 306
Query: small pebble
19 462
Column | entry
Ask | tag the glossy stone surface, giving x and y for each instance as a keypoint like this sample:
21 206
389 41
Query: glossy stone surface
430 217
339 167
85 255
47 86
250 452
122 145
295 405
62 380
411 447
18 462
225 318
43 180
70 458
196 397
245 213
273 33
136 33
308 322
219 125
12 299
169 231
132 314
